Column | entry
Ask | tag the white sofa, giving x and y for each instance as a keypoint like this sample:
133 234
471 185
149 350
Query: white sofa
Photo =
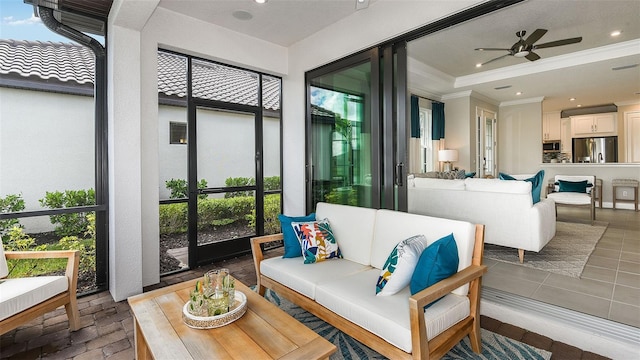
343 291
505 207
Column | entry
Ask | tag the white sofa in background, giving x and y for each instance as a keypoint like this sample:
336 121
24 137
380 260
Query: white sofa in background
342 291
505 207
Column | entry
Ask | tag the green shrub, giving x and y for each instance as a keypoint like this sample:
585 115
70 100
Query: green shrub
173 218
271 211
179 188
217 212
272 183
8 204
69 224
239 181
17 240
345 196
87 248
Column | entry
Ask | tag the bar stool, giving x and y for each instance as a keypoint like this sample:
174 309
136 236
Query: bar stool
630 183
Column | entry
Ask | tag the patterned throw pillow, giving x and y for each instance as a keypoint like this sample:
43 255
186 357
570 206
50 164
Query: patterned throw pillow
316 241
397 270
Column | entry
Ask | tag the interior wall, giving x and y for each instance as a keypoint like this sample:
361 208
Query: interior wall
457 129
520 137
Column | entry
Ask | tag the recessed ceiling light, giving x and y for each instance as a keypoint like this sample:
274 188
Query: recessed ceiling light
242 15
616 33
519 93
260 1
362 4
572 99
478 65
579 105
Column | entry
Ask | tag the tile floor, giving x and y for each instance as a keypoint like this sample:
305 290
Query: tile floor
610 284
107 326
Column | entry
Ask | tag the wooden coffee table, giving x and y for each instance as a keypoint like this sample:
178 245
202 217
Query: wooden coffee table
263 332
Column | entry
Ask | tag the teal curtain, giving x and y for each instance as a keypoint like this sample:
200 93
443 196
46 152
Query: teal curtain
437 117
415 117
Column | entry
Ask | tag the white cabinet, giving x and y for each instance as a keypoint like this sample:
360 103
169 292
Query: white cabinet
594 125
565 136
551 126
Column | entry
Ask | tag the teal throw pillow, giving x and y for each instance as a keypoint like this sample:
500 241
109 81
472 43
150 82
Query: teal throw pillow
437 262
291 243
398 269
536 183
573 186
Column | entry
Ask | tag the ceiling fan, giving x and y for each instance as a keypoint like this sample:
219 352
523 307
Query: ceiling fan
524 47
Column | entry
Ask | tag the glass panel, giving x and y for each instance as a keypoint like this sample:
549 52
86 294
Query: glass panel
341 137
222 83
226 157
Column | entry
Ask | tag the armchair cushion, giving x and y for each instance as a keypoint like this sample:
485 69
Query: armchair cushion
17 295
573 186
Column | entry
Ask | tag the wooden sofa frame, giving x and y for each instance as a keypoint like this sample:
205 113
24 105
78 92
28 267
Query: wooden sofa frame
67 298
421 348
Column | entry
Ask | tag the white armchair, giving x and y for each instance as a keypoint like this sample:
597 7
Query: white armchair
23 299
567 190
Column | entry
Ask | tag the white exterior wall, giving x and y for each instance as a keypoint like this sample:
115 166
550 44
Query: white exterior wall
58 153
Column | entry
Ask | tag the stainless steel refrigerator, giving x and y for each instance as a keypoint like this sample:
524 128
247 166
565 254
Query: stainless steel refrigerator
595 150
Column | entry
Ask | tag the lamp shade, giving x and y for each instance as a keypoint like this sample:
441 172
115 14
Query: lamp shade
448 155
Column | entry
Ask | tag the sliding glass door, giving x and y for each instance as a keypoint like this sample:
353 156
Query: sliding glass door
356 146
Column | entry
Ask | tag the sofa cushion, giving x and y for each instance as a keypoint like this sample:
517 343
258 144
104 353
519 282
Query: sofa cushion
396 272
353 297
497 186
570 198
4 270
291 242
353 228
316 240
455 184
303 278
391 227
19 294
437 262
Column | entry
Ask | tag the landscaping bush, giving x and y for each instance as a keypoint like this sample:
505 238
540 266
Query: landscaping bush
69 224
271 211
173 218
8 204
272 183
239 181
179 188
217 212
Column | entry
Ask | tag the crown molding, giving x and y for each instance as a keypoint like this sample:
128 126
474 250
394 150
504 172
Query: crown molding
613 51
457 95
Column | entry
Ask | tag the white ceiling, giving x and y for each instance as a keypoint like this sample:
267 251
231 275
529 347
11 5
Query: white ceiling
443 63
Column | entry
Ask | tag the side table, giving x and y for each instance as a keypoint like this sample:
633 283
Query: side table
627 183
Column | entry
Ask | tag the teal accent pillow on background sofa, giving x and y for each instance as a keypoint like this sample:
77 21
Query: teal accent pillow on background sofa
291 243
437 262
536 183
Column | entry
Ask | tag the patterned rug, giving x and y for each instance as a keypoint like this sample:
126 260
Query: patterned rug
494 346
566 254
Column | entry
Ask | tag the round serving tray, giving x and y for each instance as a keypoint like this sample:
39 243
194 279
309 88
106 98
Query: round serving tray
210 322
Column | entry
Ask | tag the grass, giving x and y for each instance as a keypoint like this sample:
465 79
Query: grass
34 267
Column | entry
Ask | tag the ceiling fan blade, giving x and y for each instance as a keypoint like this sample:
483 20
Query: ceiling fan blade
558 43
532 56
494 59
491 49
535 36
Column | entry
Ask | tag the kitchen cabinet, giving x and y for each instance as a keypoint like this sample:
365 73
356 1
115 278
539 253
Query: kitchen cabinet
565 136
551 126
594 125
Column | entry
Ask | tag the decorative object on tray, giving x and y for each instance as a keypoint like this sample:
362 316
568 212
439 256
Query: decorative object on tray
214 302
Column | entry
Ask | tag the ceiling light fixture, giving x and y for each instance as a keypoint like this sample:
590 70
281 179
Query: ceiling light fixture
478 65
579 105
362 4
519 93
260 1
615 33
572 99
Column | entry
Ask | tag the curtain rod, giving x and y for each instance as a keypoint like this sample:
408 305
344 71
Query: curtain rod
426 98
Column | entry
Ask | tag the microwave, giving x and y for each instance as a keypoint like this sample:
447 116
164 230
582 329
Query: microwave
551 146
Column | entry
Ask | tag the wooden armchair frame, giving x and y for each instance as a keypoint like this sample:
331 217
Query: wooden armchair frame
67 298
421 348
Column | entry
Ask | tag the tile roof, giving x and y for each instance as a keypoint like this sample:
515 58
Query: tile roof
74 64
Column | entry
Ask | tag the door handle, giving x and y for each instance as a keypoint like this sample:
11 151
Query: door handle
399 172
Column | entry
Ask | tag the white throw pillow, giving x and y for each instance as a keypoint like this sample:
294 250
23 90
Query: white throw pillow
4 270
398 269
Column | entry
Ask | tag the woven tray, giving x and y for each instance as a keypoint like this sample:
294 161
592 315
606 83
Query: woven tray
210 322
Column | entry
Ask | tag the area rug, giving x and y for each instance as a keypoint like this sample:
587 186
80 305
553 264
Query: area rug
494 346
566 254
